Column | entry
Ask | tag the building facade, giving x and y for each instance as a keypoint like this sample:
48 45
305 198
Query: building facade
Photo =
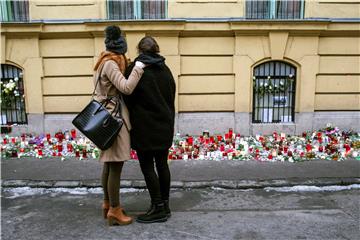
254 66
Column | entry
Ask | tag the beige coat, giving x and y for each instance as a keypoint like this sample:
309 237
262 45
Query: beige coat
112 81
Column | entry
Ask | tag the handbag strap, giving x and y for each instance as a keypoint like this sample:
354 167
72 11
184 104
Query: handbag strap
97 80
118 107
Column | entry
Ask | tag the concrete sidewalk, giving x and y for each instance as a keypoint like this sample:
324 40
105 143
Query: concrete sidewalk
52 172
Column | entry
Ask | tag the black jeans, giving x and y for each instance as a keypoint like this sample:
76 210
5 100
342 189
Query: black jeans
157 184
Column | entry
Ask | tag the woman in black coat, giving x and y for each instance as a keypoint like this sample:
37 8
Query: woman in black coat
152 114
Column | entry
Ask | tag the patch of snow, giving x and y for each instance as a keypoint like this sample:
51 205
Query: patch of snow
303 188
28 191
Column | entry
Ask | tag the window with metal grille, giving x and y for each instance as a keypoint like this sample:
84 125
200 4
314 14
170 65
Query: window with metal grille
136 9
274 92
12 96
14 11
274 9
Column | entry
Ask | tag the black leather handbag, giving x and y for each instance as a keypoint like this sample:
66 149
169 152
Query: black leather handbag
97 123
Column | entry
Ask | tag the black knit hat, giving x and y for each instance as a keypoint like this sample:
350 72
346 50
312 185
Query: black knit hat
114 42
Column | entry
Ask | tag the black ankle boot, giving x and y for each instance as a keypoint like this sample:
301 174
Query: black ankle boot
156 213
167 208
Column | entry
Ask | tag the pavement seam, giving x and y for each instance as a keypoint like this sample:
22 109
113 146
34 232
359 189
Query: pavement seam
227 184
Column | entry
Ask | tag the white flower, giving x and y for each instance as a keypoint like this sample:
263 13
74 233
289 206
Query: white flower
290 76
281 83
254 77
328 125
16 79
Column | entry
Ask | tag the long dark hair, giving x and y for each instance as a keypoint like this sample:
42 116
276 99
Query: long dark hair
148 45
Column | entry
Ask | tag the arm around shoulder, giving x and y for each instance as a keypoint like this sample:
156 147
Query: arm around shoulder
125 86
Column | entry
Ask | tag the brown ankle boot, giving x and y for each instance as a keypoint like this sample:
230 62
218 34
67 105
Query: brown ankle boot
116 216
105 208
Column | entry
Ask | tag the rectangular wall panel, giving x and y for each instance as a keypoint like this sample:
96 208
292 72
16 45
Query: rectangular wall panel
79 47
221 102
207 46
67 85
65 104
206 84
334 64
339 45
68 66
338 84
337 102
206 65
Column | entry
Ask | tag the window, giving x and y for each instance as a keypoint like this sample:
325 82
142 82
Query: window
12 96
274 9
136 9
14 11
273 92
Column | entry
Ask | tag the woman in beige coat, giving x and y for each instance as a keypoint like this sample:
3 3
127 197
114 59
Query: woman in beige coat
109 72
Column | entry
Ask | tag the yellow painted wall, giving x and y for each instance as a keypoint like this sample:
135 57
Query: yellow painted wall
332 8
67 9
212 62
96 9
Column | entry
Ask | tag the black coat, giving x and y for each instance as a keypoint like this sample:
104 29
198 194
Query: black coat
151 106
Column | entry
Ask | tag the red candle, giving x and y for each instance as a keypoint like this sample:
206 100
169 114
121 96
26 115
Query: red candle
48 136
84 153
59 147
73 133
22 150
13 140
59 154
69 147
40 152
226 136
5 141
77 153
230 132
212 140
275 135
286 148
289 153
347 148
190 140
222 148
321 148
219 138
308 147
302 154
270 156
54 153
14 153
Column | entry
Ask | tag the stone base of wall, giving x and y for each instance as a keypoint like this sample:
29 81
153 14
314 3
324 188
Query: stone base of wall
215 123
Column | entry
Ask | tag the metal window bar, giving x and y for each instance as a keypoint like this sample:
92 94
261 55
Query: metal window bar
137 9
12 107
14 11
274 93
274 9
